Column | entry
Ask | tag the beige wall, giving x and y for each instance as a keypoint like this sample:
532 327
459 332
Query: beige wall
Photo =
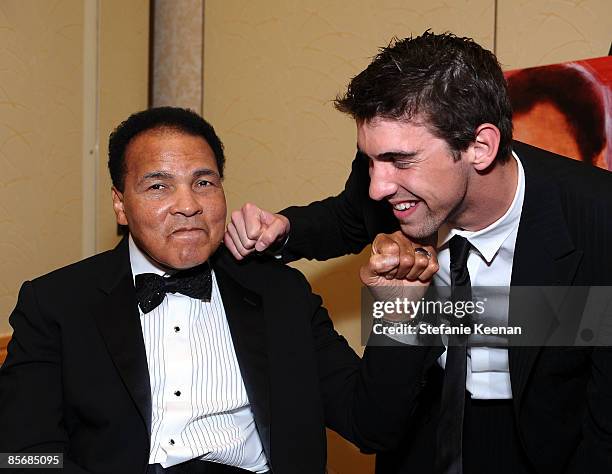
538 32
272 67
70 70
41 96
123 90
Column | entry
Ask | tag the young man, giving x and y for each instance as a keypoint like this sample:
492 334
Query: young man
445 195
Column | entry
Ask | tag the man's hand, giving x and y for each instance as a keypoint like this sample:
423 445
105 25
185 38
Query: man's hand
253 229
397 261
399 268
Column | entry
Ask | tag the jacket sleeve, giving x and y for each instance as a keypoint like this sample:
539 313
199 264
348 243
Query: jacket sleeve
594 453
334 226
368 401
31 385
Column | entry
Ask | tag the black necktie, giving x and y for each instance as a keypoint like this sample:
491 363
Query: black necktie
151 289
449 459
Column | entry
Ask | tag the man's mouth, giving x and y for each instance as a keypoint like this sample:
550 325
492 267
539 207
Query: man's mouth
187 231
402 209
402 206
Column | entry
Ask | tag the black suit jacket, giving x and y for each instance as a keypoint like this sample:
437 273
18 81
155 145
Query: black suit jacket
562 396
76 380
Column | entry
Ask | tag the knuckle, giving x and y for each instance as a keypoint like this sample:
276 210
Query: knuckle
253 233
406 260
389 247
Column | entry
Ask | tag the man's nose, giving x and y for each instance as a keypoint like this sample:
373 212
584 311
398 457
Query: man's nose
382 183
186 202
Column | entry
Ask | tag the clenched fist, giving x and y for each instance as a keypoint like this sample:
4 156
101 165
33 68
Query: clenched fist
397 261
253 229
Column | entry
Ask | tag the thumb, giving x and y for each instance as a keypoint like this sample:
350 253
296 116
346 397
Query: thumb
266 218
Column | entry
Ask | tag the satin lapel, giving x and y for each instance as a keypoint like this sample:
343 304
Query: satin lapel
544 256
118 321
246 320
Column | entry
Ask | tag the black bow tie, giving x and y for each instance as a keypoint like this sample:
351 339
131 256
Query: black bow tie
151 289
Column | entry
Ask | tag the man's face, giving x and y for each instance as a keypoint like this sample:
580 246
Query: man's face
547 127
173 201
415 172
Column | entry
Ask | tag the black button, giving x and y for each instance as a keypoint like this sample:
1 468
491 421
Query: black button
172 442
177 329
178 393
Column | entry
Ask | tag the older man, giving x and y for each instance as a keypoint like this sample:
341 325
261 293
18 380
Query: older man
437 174
165 355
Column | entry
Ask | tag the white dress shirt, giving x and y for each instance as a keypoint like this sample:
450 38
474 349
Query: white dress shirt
200 405
490 265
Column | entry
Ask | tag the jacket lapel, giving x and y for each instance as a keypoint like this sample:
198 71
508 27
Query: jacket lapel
118 321
245 316
544 256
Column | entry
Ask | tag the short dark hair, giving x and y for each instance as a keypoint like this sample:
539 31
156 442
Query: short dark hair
451 83
158 118
571 90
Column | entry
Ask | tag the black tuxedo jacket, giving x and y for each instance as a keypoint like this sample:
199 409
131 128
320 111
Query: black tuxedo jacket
76 380
562 396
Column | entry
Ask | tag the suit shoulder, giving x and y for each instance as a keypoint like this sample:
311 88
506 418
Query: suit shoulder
76 273
574 177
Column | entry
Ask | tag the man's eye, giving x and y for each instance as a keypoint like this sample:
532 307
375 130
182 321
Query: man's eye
204 183
156 186
402 164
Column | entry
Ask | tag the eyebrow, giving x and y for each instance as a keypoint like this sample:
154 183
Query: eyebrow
165 175
156 175
391 155
205 172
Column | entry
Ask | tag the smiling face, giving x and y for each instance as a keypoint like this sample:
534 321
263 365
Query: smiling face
415 172
173 201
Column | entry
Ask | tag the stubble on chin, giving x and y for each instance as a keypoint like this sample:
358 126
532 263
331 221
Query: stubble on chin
420 232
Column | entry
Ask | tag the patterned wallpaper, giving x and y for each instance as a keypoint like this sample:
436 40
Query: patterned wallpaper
42 127
534 33
40 141
123 90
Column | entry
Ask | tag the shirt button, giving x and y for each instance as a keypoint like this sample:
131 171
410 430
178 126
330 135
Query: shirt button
177 329
172 442
178 393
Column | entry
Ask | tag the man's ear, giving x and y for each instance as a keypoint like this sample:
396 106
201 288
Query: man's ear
118 206
485 146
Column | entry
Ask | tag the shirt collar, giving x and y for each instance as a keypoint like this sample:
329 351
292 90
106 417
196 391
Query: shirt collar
142 263
489 240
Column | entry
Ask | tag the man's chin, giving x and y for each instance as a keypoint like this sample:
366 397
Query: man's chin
417 234
192 257
183 264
